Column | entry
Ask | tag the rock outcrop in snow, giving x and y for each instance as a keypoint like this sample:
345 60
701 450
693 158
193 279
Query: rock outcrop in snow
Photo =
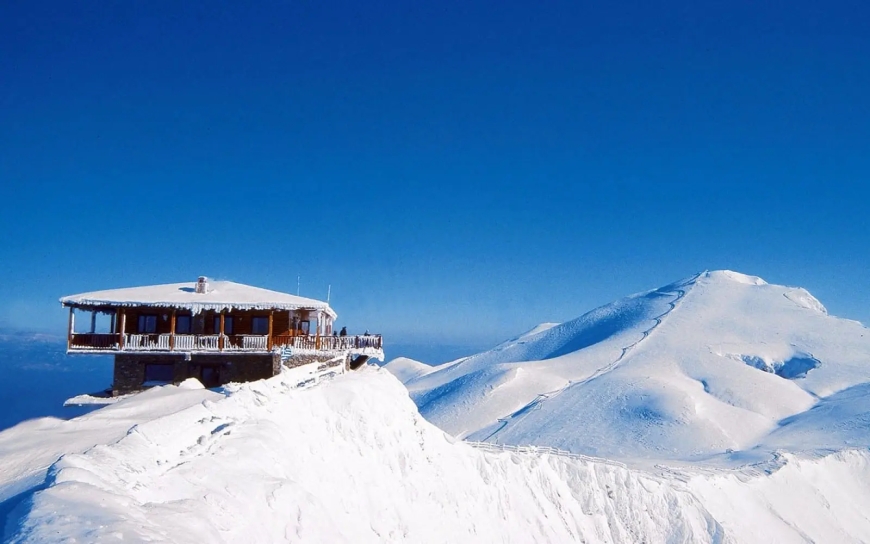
711 364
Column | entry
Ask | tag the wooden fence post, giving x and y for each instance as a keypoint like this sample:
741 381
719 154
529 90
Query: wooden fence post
221 337
172 331
122 329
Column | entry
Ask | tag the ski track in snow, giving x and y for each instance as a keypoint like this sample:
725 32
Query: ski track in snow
535 404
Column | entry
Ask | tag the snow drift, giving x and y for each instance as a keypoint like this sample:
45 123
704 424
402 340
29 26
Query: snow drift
716 363
351 460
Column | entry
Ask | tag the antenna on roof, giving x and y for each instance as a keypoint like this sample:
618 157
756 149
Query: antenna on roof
298 277
328 291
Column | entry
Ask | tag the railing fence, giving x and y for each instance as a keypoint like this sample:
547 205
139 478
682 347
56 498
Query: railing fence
212 342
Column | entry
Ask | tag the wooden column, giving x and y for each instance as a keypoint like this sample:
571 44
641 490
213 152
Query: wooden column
172 331
221 338
93 321
116 325
317 337
72 326
269 340
122 328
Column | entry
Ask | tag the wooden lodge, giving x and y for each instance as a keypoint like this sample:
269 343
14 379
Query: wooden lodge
217 332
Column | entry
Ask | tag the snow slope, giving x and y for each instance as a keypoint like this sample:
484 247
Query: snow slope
350 461
716 363
28 449
406 369
804 500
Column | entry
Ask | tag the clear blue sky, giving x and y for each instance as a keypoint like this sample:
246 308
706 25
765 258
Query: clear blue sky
457 171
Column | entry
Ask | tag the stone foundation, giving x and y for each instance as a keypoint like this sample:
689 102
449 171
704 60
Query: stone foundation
305 359
212 369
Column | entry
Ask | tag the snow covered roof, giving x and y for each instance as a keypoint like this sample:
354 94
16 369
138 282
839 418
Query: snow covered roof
219 296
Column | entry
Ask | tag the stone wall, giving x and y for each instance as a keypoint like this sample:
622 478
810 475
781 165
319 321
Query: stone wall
130 370
305 359
240 367
211 369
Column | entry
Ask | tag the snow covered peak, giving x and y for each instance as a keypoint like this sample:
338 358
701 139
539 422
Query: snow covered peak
704 365
730 275
797 295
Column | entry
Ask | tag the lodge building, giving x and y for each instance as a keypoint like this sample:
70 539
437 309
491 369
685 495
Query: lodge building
215 331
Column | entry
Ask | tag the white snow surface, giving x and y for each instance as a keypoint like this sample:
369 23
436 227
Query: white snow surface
85 399
351 460
406 369
710 366
530 333
221 295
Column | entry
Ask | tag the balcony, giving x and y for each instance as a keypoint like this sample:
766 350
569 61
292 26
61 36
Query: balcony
93 342
198 343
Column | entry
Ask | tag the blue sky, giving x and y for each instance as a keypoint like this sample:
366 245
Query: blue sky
456 171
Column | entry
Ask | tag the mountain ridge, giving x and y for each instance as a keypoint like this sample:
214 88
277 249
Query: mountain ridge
663 373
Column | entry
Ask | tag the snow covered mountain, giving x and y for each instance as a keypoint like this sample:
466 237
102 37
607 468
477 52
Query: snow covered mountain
278 460
720 362
741 410
349 459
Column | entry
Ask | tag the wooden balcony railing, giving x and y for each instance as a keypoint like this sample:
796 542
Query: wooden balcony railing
216 342
146 342
246 342
93 341
328 343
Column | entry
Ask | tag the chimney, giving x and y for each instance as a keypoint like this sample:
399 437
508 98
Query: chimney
202 285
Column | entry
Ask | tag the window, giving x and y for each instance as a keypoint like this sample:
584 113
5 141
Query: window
305 327
160 373
260 325
147 324
210 376
228 324
183 324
